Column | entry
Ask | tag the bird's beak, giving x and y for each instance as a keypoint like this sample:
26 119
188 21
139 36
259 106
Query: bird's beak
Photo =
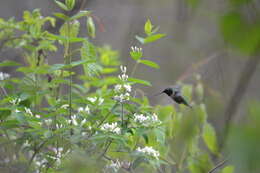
158 94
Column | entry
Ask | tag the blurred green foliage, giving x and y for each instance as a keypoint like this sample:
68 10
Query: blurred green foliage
51 123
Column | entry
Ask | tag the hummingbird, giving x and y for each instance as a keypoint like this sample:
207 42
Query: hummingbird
175 94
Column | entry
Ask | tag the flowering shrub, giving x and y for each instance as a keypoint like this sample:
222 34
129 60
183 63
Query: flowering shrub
51 123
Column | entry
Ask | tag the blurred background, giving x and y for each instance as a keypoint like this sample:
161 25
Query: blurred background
198 37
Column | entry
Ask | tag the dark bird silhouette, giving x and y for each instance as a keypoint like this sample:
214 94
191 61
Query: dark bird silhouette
175 94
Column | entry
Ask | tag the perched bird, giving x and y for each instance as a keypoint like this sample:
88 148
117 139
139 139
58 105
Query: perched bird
175 94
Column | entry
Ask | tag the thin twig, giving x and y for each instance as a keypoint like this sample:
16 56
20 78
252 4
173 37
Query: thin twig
218 166
4 91
36 151
107 147
243 83
122 115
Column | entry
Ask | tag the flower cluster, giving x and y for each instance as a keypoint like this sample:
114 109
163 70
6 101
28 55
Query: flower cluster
4 76
84 110
74 121
136 49
124 88
111 128
146 120
94 99
114 166
15 101
149 151
59 153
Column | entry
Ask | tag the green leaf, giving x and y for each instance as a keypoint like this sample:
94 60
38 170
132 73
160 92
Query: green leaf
80 14
146 139
62 16
4 113
88 52
91 27
10 124
77 63
228 169
64 38
153 38
108 70
9 63
70 29
140 39
61 5
193 3
148 27
240 2
70 4
149 63
138 161
136 55
239 33
209 137
139 81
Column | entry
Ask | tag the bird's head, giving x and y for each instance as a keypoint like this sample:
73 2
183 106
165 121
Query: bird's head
168 91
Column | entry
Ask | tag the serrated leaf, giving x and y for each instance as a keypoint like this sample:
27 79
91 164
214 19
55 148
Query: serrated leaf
139 81
61 5
153 38
148 27
9 63
149 63
209 137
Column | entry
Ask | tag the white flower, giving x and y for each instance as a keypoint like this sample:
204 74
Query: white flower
83 122
75 22
92 99
111 128
128 87
117 88
86 109
58 126
28 111
123 69
146 120
100 101
123 77
17 111
37 116
48 122
149 151
65 106
74 121
136 49
15 101
4 76
114 165
26 144
122 97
